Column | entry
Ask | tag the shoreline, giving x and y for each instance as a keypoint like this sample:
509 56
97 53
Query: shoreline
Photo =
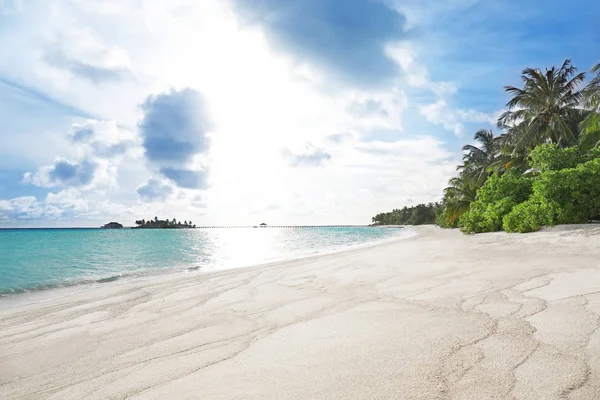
40 294
437 315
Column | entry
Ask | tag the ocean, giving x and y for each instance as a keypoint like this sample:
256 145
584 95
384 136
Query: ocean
36 259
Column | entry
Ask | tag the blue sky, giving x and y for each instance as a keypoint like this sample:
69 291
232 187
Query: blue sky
234 111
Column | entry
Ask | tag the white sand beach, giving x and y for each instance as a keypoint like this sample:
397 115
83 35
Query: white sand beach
440 315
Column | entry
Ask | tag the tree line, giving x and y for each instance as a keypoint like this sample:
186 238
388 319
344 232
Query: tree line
543 168
417 215
163 224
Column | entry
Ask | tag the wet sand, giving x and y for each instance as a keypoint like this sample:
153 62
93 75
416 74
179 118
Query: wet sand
437 316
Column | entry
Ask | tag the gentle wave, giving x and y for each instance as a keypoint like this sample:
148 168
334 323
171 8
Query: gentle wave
39 260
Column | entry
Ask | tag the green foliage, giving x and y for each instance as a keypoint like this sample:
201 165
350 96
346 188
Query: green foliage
592 154
495 199
527 216
567 196
550 157
163 224
590 126
445 219
547 108
574 193
418 215
478 160
550 112
457 198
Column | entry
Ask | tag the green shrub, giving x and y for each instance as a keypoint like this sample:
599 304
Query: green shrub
527 216
573 192
592 154
568 196
495 199
441 218
550 157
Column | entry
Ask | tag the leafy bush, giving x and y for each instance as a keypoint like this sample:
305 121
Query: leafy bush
592 154
527 216
574 193
568 196
550 157
495 199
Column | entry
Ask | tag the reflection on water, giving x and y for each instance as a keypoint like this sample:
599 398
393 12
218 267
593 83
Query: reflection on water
40 258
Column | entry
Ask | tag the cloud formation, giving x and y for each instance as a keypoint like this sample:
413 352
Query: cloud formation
104 138
67 203
267 82
346 38
94 73
185 178
63 173
97 149
454 119
174 130
311 157
21 207
382 110
154 190
87 56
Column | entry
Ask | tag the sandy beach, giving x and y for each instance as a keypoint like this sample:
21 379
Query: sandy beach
440 315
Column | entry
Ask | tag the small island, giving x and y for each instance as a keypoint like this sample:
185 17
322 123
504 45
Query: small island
163 224
112 225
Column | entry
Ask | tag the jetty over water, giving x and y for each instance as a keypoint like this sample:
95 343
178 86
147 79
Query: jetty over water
281 226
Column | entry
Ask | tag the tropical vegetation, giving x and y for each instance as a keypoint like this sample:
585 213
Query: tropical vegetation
418 215
542 169
163 224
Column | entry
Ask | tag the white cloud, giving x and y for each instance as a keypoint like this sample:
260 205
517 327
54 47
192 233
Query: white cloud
78 53
155 190
261 102
376 110
310 156
359 178
441 111
404 54
68 199
25 207
97 149
64 172
104 139
454 119
86 209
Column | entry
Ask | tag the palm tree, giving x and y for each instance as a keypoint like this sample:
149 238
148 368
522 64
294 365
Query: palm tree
458 197
479 160
511 156
546 109
590 127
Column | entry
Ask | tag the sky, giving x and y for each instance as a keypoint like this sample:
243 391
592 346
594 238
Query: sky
248 111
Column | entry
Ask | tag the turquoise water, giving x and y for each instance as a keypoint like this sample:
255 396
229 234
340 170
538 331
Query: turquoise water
45 258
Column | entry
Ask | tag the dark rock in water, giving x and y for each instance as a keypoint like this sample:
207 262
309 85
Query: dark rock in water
112 225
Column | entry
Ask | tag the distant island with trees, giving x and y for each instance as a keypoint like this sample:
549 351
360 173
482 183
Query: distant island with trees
420 214
163 224
112 225
543 169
